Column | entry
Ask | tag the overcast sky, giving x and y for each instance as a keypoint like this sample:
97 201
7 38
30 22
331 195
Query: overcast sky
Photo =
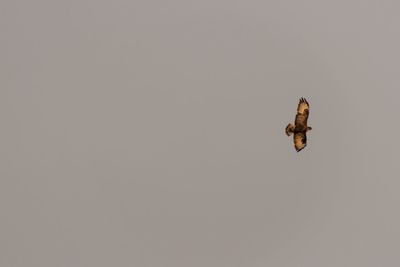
151 133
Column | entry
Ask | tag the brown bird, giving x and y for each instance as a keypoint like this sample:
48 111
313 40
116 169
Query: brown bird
300 127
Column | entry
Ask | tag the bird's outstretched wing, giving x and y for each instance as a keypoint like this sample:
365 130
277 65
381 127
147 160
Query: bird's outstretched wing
303 106
300 140
303 109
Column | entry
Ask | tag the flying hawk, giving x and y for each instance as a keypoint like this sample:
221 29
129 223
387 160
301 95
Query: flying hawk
300 128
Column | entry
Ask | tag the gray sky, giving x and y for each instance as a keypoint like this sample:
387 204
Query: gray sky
151 133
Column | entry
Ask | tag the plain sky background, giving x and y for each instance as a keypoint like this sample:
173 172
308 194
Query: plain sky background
151 133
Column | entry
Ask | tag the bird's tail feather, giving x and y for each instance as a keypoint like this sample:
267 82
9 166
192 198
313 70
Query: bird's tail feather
289 129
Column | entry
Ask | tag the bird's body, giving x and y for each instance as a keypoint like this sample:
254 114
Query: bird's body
300 127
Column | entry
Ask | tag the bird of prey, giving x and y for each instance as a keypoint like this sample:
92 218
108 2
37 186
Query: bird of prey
300 127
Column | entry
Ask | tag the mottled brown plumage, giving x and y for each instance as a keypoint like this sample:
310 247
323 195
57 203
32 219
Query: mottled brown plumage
300 127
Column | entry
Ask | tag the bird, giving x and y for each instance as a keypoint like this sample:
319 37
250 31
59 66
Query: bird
300 127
